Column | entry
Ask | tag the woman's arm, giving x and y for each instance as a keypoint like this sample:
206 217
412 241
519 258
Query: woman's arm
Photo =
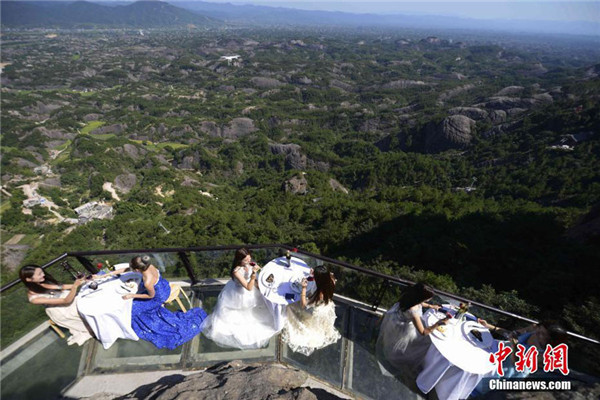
426 330
434 306
303 299
111 273
149 288
59 302
248 285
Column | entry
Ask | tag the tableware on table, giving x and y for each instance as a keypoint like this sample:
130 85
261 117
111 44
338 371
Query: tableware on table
482 338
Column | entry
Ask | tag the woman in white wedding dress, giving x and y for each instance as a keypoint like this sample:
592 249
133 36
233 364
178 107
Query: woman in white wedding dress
59 300
403 342
240 318
310 321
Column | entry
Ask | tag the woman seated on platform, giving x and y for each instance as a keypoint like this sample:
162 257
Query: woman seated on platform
310 321
58 299
403 342
149 319
240 318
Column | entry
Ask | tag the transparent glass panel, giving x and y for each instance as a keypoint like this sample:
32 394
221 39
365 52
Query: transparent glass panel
19 316
326 363
365 377
204 351
40 369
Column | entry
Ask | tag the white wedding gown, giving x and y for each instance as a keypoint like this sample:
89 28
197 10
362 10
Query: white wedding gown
66 316
311 328
240 318
399 345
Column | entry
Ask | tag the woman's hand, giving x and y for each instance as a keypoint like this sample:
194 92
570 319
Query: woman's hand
304 283
484 323
255 268
435 307
78 282
127 296
443 321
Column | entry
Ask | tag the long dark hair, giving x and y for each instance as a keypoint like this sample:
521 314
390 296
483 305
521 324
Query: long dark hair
325 285
140 263
27 272
416 294
240 254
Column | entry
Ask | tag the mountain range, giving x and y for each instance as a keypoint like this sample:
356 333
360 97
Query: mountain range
59 14
180 13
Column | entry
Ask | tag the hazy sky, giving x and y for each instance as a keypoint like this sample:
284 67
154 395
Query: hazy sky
480 9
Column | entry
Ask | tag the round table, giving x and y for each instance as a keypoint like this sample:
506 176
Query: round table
457 359
105 311
281 291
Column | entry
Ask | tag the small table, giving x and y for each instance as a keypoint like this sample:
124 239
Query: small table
457 360
105 311
281 292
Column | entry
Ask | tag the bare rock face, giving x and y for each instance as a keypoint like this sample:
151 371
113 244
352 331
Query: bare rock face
296 185
506 103
92 117
454 132
402 84
116 128
294 159
239 127
133 151
497 117
474 113
233 380
337 187
125 182
266 83
510 91
210 128
55 133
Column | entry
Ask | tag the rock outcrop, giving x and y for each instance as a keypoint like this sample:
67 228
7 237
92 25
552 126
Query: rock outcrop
294 159
125 182
474 113
234 380
296 185
238 127
454 132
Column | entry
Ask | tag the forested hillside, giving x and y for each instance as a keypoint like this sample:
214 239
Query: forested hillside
470 164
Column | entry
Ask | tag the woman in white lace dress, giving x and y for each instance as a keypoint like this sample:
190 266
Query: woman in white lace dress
240 318
310 321
58 299
403 342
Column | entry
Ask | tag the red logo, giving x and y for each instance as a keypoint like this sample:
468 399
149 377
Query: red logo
499 356
526 359
555 358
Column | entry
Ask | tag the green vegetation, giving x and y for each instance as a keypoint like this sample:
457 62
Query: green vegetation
496 211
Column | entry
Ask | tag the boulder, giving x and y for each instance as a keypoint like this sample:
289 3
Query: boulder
454 132
133 151
497 116
92 117
402 84
474 113
337 187
296 185
115 128
510 91
294 159
238 127
234 380
210 128
125 182
266 83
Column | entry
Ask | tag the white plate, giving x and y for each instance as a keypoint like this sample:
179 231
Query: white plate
486 336
264 283
446 334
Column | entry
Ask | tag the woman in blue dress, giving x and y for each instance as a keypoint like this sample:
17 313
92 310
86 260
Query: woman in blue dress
150 320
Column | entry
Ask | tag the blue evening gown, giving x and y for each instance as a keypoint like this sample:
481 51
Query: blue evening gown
162 327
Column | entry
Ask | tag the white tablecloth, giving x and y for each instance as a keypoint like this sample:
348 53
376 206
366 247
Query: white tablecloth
283 276
105 311
456 361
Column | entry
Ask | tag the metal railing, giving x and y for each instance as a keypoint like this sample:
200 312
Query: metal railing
182 254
